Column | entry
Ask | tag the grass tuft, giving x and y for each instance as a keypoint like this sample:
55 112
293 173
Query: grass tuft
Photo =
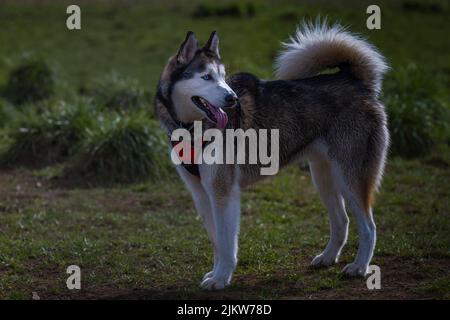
43 136
123 149
418 117
30 82
115 93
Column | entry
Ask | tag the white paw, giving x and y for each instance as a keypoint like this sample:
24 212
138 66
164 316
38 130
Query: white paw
355 270
323 260
207 275
214 283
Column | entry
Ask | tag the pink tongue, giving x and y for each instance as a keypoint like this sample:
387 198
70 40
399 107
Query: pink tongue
221 117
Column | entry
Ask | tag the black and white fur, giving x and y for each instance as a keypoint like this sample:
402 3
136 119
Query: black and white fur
334 121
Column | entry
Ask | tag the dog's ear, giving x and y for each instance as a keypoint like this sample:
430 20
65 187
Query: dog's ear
213 43
188 48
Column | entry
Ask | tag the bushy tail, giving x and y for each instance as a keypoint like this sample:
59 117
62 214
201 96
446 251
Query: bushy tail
318 46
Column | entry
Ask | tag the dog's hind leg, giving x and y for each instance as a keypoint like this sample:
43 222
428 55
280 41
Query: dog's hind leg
353 190
203 208
332 198
367 238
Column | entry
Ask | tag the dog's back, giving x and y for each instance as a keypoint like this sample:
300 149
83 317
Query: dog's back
339 111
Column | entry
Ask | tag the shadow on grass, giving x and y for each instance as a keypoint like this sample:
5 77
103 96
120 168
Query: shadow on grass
71 180
402 278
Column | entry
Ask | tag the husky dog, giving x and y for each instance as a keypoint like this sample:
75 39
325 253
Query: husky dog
333 120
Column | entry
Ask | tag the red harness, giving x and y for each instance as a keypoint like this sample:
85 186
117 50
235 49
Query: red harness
191 167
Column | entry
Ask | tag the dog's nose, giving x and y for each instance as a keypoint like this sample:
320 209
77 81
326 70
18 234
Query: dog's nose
230 99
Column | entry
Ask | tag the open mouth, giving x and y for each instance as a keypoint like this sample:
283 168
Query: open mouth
215 114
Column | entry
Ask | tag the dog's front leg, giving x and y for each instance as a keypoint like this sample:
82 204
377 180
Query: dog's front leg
203 207
226 215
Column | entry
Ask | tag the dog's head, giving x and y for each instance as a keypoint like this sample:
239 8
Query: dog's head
194 82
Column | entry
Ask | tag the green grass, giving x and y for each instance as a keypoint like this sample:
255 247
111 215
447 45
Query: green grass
30 82
114 93
121 148
47 133
143 240
136 40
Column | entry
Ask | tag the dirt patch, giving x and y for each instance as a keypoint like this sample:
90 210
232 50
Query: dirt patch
20 189
402 278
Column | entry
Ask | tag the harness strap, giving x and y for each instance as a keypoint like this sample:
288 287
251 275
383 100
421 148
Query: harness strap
192 167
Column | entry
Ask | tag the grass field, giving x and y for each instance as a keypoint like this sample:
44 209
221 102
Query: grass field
143 240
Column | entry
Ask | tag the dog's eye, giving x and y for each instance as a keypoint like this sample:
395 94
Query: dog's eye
207 77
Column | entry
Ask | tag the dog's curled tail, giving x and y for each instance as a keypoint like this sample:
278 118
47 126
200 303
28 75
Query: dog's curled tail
316 47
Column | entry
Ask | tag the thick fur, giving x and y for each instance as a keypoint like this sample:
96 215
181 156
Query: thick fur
334 121
316 47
